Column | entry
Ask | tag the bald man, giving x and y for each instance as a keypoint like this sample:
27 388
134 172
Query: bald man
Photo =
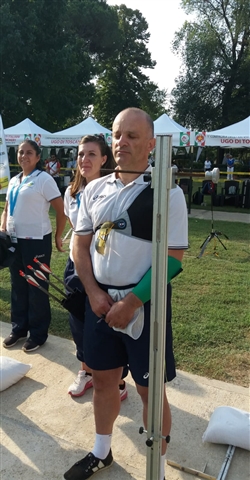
112 253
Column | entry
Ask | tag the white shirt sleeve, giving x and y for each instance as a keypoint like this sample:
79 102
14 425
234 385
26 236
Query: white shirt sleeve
66 201
84 225
177 220
49 187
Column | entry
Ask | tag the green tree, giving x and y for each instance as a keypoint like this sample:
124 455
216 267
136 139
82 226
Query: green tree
213 89
50 52
122 82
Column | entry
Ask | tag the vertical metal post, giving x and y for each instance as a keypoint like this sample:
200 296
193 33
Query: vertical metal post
162 182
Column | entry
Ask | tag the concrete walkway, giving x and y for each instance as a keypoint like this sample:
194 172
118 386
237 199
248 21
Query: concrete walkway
45 431
224 216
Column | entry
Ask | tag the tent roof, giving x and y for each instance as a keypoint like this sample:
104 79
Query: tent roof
164 125
87 127
25 127
239 129
235 136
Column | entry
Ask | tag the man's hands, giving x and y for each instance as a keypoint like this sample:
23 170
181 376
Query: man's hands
100 302
122 312
115 314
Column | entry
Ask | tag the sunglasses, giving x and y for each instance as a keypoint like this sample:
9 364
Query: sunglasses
102 238
100 137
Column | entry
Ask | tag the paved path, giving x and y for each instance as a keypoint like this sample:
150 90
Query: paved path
225 216
45 431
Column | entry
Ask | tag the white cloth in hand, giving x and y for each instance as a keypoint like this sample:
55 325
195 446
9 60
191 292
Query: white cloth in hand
135 326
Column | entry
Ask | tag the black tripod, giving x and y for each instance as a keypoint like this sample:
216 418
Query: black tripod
212 235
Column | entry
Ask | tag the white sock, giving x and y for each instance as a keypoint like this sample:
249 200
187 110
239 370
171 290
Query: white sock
102 445
163 458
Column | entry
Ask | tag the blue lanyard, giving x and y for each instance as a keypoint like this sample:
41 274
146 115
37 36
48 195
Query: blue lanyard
78 199
14 195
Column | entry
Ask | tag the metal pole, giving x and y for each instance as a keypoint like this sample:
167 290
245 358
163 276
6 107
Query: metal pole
162 182
227 462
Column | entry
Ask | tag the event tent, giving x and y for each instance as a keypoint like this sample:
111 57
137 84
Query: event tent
233 136
164 125
70 137
25 129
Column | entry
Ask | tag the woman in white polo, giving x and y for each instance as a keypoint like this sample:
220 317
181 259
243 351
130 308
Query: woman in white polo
26 218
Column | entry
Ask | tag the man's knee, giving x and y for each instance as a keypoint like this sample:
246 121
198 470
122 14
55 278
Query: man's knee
106 379
143 392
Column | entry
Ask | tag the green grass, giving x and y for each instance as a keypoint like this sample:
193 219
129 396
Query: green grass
210 303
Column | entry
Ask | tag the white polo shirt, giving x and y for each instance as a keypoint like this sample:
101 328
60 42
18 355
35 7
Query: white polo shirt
71 211
31 217
126 258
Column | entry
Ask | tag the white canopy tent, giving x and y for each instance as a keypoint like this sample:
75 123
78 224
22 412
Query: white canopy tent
25 129
70 137
164 125
233 136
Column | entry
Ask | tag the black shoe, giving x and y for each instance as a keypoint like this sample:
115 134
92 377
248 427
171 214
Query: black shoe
88 466
12 339
30 346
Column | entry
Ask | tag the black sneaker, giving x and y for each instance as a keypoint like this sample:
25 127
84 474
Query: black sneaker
88 466
12 339
30 345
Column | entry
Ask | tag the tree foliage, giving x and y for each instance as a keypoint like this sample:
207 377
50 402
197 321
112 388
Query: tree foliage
50 51
122 82
213 89
56 54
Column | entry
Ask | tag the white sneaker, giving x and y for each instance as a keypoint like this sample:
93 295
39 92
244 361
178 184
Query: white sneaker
81 383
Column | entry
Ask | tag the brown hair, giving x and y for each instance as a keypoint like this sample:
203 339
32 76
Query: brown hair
78 182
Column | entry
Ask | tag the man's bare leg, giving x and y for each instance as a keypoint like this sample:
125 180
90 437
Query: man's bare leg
106 399
166 420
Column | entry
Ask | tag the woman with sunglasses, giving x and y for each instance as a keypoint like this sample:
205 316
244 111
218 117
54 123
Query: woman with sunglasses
93 155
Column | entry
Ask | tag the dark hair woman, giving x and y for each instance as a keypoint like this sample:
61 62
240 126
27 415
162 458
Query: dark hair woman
93 155
26 219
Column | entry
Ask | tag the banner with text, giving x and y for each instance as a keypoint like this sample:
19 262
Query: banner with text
223 141
12 140
64 142
4 161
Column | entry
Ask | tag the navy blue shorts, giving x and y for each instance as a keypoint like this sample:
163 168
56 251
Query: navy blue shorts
76 326
106 349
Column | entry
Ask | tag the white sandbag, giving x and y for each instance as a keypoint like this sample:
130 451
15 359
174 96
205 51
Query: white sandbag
11 371
230 426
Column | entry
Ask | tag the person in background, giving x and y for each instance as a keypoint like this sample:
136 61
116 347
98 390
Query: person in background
53 167
26 218
225 159
230 167
71 165
93 155
207 165
175 170
112 252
